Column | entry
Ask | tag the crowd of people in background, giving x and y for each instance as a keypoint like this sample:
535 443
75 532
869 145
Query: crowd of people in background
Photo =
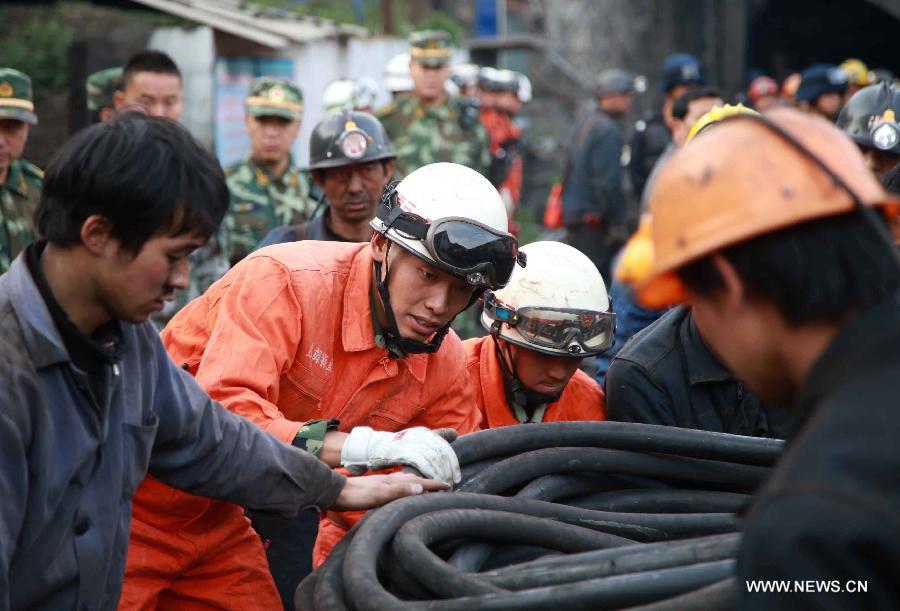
315 305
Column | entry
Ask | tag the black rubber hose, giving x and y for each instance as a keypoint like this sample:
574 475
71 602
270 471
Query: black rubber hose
560 485
506 555
634 559
359 568
327 582
398 580
410 545
471 557
510 440
513 472
660 501
472 469
719 596
530 465
598 556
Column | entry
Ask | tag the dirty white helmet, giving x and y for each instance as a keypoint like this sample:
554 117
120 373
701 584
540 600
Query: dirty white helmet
464 75
338 95
365 92
556 305
396 74
524 90
452 217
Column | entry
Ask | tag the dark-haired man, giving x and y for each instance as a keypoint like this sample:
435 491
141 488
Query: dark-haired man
90 399
810 327
152 81
351 160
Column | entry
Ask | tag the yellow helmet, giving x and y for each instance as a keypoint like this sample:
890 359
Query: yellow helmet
857 72
717 114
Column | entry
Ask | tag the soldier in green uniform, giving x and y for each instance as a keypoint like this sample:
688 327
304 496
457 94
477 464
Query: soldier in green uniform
267 188
20 181
101 88
430 125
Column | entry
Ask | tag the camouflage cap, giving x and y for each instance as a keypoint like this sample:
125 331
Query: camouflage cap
101 86
274 97
431 47
16 98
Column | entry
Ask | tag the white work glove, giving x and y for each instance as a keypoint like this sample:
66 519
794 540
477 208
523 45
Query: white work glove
426 450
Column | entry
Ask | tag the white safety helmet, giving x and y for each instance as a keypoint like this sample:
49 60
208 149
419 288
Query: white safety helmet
365 92
556 305
452 217
524 90
338 95
464 75
397 78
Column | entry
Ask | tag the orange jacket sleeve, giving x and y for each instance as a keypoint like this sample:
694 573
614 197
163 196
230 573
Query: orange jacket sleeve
252 342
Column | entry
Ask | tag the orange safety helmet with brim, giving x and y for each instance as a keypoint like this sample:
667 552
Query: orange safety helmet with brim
749 176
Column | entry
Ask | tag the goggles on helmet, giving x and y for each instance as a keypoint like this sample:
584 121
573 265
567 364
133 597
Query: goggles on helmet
578 332
482 255
885 131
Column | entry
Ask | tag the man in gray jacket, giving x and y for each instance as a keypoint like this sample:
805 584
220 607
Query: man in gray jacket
89 399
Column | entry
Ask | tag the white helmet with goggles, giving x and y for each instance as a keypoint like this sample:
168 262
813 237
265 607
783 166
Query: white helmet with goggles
453 218
557 305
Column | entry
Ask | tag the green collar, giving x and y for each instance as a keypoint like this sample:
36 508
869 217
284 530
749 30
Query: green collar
381 339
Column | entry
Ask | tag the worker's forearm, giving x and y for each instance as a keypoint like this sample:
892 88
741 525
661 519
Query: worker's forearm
331 448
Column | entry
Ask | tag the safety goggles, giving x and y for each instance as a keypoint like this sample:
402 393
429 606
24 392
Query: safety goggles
579 332
463 247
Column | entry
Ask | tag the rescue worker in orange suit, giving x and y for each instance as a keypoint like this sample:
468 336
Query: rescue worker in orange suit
352 180
773 229
551 315
499 92
311 340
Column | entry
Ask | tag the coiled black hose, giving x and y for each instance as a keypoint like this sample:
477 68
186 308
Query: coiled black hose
643 516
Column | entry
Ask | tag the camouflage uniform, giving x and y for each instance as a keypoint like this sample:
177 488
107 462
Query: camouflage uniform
450 131
101 86
260 202
21 191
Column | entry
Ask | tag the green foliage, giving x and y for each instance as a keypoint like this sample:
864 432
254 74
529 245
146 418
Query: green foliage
439 21
39 48
342 12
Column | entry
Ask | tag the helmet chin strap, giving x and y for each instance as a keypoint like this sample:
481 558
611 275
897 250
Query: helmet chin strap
528 405
397 343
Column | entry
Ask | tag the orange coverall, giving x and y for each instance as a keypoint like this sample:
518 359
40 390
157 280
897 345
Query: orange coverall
285 337
500 129
582 399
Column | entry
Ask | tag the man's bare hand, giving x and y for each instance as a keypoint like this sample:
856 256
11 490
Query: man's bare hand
376 490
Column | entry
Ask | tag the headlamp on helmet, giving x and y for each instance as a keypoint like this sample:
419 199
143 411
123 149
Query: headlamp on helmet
885 132
353 141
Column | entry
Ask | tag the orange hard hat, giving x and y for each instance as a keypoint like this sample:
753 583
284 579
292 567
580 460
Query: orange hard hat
744 179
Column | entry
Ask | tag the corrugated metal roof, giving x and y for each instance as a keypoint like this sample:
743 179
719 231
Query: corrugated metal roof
262 27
